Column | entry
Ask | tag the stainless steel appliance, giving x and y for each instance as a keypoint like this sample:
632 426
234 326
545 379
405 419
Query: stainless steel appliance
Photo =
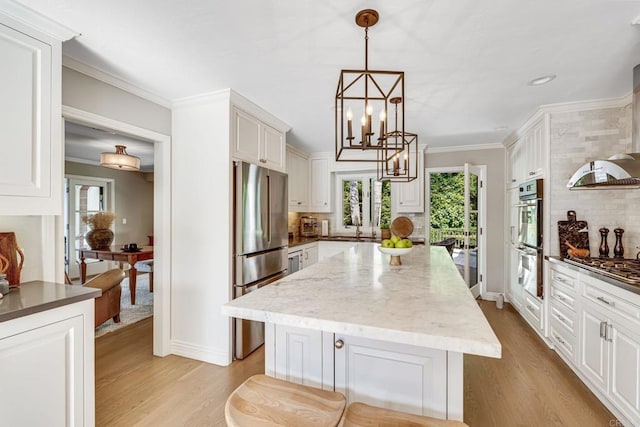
530 236
295 262
624 270
260 243
308 226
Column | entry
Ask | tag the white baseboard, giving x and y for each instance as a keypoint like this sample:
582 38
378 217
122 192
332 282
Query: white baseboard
491 296
204 354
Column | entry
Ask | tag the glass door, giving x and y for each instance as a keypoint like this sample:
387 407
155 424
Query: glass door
472 184
84 196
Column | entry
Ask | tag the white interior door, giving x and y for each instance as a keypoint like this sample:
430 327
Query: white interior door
84 196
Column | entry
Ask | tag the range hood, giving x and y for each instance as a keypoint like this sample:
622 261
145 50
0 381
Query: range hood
620 170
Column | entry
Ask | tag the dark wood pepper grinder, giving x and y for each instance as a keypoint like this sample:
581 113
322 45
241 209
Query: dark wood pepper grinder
618 249
604 247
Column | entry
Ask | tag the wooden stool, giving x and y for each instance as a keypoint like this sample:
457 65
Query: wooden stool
265 401
361 415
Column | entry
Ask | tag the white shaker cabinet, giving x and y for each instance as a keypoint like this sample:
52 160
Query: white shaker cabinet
47 367
310 255
298 181
30 122
320 185
594 349
395 376
408 197
299 356
256 142
625 369
527 156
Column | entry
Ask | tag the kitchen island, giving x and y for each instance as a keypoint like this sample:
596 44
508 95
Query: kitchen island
391 336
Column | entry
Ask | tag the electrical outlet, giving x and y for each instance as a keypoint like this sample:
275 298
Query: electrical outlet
124 221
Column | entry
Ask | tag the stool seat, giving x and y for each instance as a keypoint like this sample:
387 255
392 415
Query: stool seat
361 415
263 401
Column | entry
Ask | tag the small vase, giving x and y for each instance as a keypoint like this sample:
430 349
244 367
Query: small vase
99 239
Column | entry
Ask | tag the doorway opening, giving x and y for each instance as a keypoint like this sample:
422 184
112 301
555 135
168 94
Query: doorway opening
161 182
456 218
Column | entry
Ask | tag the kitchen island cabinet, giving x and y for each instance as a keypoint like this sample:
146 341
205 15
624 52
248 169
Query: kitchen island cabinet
391 336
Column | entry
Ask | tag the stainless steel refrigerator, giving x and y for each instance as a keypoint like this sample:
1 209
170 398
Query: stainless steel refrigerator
261 239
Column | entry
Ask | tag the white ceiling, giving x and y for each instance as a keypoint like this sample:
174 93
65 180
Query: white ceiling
467 62
84 144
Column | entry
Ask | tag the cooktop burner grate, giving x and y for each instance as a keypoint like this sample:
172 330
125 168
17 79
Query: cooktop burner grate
625 270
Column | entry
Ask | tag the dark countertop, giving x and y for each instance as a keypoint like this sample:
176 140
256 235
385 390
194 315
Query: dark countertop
34 297
626 286
341 238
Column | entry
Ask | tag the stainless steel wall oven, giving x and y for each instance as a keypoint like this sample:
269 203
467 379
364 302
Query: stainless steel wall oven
530 237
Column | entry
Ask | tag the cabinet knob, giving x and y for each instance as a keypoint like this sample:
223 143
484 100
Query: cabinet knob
299 203
513 180
339 344
325 203
531 173
401 202
263 161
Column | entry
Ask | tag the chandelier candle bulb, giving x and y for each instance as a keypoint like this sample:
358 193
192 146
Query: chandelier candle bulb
382 117
363 122
349 125
406 162
369 113
396 165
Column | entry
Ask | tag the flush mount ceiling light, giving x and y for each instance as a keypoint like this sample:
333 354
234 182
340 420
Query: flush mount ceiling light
120 160
398 159
542 80
361 94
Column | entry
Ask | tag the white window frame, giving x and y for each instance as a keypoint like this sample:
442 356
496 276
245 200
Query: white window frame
366 201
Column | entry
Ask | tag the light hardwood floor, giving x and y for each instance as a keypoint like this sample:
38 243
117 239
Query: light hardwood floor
529 386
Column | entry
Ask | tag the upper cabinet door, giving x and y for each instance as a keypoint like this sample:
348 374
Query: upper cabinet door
28 148
246 141
320 189
273 149
408 197
257 143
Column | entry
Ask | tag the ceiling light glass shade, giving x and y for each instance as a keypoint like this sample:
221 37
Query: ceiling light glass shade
361 105
120 160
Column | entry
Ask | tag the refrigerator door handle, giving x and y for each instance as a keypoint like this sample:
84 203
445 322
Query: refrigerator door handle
269 208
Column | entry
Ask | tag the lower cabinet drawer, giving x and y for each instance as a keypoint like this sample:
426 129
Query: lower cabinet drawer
564 342
532 309
564 318
615 304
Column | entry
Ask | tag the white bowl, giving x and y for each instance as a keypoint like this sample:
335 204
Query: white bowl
394 251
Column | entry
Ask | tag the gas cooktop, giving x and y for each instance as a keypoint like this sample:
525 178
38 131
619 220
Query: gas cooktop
625 270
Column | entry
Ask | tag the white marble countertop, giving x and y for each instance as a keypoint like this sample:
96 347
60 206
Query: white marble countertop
424 302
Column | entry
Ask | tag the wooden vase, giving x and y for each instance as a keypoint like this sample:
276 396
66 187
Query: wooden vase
99 239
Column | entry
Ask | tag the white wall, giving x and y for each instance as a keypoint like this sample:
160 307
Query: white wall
88 94
201 253
494 160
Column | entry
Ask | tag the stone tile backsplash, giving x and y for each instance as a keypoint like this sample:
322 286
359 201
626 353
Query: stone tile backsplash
418 220
577 138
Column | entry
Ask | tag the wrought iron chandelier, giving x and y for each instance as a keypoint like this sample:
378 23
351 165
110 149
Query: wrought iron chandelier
398 159
363 93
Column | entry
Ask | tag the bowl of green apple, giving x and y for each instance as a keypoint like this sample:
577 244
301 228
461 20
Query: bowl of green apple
395 246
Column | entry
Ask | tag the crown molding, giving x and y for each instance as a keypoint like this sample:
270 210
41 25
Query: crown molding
298 151
259 112
473 147
114 80
201 99
36 20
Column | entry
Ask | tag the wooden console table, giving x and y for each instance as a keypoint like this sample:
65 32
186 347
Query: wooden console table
119 256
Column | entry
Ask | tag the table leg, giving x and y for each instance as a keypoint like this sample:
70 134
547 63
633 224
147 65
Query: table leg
83 270
133 274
